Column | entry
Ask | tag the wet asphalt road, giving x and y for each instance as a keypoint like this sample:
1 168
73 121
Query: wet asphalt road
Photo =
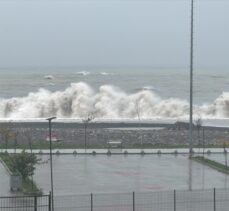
118 173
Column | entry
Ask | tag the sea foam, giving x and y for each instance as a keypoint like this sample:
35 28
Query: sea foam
48 77
83 73
80 100
105 73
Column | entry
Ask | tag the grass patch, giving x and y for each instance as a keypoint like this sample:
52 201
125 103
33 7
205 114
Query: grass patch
64 145
211 163
29 187
59 145
6 159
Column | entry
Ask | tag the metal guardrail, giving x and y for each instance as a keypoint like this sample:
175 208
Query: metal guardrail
176 200
25 203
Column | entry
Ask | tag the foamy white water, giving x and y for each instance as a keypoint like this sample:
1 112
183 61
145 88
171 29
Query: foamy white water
83 73
80 100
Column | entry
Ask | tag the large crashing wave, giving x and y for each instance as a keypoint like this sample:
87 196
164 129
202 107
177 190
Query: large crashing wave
80 100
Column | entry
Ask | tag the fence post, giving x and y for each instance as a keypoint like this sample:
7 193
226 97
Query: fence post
49 201
35 203
91 202
133 201
174 200
214 200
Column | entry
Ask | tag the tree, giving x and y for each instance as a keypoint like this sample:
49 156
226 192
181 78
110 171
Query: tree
6 133
29 136
15 137
24 163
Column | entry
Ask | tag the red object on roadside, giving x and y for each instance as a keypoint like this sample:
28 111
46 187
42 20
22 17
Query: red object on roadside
53 137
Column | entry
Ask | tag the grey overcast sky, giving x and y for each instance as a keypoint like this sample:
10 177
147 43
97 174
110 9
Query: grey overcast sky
151 33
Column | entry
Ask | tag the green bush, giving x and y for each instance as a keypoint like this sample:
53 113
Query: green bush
24 163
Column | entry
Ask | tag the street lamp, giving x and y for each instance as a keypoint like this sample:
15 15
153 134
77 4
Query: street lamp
50 153
85 122
191 81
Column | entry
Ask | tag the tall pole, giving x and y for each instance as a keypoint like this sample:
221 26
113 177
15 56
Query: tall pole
85 136
50 154
191 83
86 122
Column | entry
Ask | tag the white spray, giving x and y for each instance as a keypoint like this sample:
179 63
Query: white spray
79 100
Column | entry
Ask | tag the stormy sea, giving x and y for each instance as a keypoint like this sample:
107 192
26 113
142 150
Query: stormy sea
112 93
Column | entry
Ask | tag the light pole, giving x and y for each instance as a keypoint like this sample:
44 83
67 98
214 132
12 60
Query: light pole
139 122
50 153
85 122
191 81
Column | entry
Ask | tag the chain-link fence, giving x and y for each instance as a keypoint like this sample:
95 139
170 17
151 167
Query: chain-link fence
25 203
177 200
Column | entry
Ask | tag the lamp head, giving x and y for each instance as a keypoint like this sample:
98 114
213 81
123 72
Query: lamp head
51 118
